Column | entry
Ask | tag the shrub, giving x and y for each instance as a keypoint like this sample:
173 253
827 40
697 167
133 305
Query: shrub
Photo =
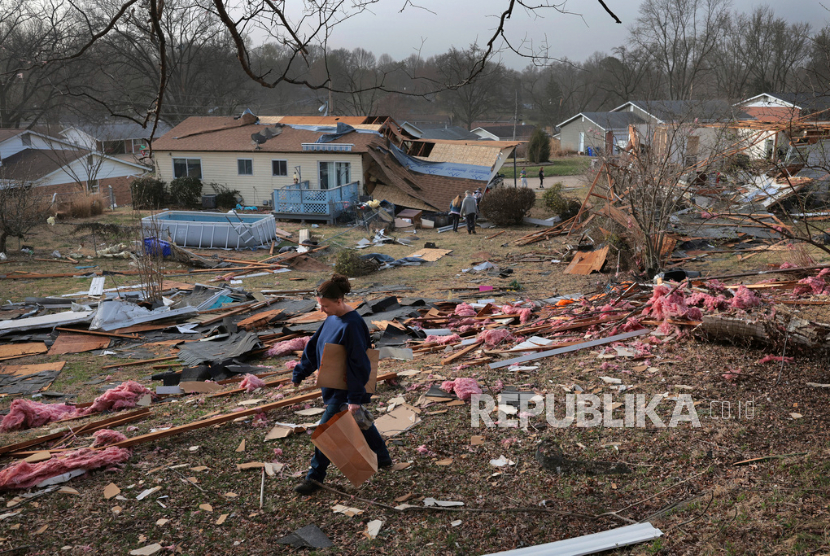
350 264
558 204
186 192
225 196
538 148
84 206
507 205
148 193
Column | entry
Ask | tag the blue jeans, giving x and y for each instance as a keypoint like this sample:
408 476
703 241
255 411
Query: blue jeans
319 461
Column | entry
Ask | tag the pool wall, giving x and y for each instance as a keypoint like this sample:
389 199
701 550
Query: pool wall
211 230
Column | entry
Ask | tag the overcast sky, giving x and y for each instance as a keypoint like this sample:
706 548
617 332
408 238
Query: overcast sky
445 23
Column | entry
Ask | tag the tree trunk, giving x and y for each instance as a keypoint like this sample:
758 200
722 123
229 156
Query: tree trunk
3 236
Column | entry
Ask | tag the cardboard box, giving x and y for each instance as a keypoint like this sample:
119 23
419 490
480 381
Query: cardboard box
332 372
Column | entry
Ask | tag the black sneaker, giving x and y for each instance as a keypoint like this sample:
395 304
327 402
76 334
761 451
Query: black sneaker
307 487
385 464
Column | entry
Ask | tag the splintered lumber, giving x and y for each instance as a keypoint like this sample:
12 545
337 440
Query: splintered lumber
97 333
568 349
495 235
153 436
462 353
84 429
771 330
259 320
142 362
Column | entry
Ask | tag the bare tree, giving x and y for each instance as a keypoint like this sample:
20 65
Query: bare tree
475 97
680 35
22 208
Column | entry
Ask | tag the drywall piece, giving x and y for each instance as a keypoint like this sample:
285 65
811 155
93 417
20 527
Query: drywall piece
568 349
190 387
113 315
590 544
45 321
97 287
402 354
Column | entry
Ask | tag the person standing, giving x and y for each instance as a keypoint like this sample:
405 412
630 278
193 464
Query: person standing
468 211
523 175
541 178
477 196
455 212
346 327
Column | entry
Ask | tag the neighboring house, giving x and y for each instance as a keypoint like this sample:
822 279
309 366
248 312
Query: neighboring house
451 133
122 140
602 132
63 168
504 132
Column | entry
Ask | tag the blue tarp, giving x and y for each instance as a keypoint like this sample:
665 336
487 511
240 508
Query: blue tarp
446 169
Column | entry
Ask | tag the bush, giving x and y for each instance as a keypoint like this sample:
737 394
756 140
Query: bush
225 196
186 192
84 206
148 193
507 205
538 148
558 204
350 264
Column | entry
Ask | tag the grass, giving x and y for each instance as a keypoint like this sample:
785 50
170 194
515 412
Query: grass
564 166
758 509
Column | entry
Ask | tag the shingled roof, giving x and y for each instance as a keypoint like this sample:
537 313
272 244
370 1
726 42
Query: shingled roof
225 134
30 165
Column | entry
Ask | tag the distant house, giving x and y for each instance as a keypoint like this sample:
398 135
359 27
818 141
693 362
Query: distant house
504 132
59 167
115 139
451 133
605 132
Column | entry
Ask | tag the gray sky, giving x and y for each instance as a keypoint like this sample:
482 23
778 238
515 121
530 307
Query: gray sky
445 23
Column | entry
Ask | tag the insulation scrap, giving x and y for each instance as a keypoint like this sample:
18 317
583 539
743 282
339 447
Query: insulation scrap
774 359
494 337
810 284
295 344
25 475
105 437
710 302
27 414
251 383
465 310
524 314
442 340
665 304
785 266
291 364
744 299
123 396
464 387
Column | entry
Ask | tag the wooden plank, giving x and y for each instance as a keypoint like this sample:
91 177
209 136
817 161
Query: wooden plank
568 349
431 255
462 353
24 370
585 263
151 437
77 343
143 362
495 235
98 333
12 351
259 319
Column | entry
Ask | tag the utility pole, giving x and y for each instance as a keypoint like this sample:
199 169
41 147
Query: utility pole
515 119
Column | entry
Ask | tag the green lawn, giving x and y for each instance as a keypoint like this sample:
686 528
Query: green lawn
566 166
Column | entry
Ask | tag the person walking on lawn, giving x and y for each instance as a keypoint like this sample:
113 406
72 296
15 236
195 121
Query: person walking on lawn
468 211
541 178
346 327
523 175
455 212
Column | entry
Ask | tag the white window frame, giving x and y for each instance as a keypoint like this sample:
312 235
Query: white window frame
173 164
334 163
279 160
238 172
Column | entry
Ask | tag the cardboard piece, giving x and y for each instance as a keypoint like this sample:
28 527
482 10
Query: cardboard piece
332 372
399 420
196 387
342 441
78 343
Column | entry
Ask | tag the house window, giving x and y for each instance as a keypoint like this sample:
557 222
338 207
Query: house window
93 186
279 167
245 166
334 174
187 168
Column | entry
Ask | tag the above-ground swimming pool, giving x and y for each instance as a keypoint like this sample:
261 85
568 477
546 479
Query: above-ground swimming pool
211 230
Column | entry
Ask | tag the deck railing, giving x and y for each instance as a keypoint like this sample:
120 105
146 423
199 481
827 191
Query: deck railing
322 202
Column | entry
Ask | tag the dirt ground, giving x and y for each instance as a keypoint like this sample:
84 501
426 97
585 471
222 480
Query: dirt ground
753 479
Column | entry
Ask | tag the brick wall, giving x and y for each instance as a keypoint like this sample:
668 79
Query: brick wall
120 189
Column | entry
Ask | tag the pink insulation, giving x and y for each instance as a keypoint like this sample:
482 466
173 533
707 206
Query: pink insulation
824 272
495 336
744 299
715 285
632 324
123 396
251 383
524 314
665 305
464 387
465 310
25 475
291 364
785 266
282 348
710 303
26 414
443 340
810 284
105 437
775 359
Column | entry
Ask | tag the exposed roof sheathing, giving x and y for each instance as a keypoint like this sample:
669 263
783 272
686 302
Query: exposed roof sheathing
476 155
394 195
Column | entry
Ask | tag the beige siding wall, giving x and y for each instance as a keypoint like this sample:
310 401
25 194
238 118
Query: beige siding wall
222 168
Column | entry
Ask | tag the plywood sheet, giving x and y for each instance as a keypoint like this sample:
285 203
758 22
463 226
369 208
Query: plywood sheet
24 370
10 351
259 319
78 343
431 254
586 263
